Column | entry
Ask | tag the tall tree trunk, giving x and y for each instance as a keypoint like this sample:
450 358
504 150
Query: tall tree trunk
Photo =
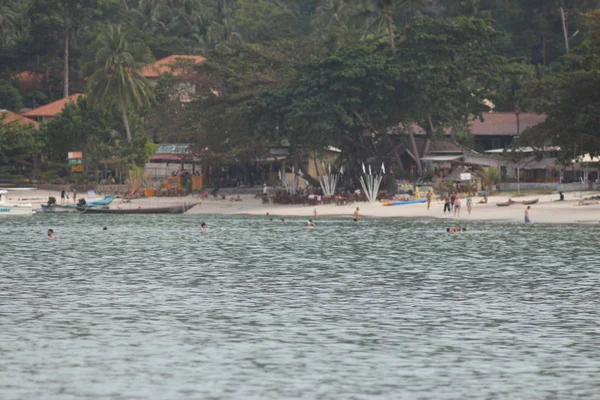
66 60
125 120
427 142
564 27
391 32
417 157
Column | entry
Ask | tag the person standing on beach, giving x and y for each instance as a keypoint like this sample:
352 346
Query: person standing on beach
63 195
452 200
469 204
74 195
429 197
527 220
447 204
457 206
356 214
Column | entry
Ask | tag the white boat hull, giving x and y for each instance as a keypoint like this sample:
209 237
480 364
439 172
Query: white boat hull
14 209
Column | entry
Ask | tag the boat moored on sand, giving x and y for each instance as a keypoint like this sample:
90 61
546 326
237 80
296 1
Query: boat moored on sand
511 202
174 209
7 208
54 208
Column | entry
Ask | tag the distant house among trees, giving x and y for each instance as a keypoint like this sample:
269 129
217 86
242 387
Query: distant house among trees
499 129
50 110
181 69
9 118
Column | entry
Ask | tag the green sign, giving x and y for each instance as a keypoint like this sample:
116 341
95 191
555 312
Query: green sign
75 161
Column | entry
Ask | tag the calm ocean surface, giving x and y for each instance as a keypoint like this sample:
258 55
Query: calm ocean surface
153 308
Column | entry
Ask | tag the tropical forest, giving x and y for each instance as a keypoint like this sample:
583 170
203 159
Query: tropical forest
360 76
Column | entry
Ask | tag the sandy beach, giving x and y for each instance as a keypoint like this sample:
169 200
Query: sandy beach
547 210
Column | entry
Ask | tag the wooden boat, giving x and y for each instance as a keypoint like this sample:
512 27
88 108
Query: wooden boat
511 202
73 207
179 209
400 203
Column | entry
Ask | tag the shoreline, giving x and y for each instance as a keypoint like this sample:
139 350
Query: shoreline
547 210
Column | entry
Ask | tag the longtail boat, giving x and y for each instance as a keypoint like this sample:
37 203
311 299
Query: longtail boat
179 209
73 207
511 202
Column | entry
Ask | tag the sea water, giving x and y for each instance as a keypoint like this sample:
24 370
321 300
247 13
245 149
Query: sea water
153 308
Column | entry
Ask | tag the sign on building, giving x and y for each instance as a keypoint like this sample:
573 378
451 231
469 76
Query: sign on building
465 176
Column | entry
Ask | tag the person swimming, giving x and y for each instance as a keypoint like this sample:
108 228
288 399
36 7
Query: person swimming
282 220
310 224
450 230
51 234
203 226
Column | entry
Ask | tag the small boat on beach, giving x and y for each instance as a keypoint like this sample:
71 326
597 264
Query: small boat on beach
53 208
511 202
178 209
400 203
7 208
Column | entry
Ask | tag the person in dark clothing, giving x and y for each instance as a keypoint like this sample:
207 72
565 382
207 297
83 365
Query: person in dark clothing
447 205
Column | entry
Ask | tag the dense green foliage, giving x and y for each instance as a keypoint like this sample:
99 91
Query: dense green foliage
311 73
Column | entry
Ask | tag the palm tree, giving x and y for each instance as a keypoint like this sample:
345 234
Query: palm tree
116 80
8 20
386 12
490 177
334 13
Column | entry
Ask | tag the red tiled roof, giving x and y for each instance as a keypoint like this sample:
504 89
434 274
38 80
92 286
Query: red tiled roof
495 123
167 65
165 157
9 117
52 109
505 123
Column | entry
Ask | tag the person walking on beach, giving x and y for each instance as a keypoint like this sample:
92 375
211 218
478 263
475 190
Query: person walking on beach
429 197
457 206
356 214
527 220
447 204
469 204
63 195
74 195
452 199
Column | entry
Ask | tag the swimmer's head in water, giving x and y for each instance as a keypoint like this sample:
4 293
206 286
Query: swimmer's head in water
105 228
203 225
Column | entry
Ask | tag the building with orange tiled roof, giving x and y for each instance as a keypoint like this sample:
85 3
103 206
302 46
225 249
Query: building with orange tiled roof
9 118
170 65
49 111
183 88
